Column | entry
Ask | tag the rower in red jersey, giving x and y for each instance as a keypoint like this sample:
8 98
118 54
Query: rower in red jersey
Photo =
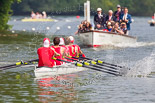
62 44
69 48
45 54
58 49
76 48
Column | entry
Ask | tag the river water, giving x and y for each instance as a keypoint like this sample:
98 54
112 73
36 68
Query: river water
19 85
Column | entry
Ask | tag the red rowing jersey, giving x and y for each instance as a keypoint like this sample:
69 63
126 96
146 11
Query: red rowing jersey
65 51
45 54
74 51
71 50
68 51
77 51
58 50
65 48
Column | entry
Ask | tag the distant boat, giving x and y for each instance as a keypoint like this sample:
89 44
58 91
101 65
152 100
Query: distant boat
152 22
96 38
37 20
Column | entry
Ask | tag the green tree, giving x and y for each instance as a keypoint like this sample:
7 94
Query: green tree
5 13
74 7
143 7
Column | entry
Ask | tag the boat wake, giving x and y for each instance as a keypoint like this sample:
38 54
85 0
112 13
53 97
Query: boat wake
135 45
124 45
143 68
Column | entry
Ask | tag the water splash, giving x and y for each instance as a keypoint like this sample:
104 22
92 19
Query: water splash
143 68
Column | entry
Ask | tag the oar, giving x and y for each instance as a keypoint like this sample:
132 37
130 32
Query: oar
98 61
88 66
17 64
94 64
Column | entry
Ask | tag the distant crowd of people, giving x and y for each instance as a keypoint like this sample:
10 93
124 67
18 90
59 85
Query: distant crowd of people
84 26
118 22
38 15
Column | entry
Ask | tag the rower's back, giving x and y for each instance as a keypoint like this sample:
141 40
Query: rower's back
45 54
58 49
76 48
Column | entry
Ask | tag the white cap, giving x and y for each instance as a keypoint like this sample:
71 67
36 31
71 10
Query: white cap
110 11
46 42
118 6
43 12
62 41
71 39
99 9
109 24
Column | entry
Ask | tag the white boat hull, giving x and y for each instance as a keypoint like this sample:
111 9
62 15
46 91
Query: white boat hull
62 69
100 38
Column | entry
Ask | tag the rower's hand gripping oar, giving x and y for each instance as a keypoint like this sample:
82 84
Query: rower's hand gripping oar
87 65
17 64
